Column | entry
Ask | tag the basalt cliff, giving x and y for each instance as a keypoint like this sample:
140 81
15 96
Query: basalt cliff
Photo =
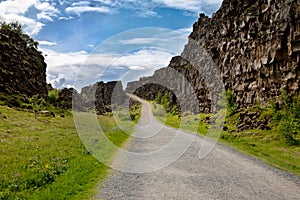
22 66
255 49
101 97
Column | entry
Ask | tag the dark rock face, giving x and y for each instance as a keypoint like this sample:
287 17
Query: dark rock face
153 90
66 96
102 96
251 120
168 80
22 66
255 46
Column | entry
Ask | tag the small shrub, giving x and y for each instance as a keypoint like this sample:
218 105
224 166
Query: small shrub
288 117
158 98
231 105
175 110
37 104
165 101
53 96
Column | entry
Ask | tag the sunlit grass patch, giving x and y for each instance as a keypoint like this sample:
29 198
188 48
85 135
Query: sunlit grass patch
44 158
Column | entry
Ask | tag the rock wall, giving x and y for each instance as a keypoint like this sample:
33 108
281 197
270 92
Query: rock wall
255 46
101 96
22 66
169 80
66 96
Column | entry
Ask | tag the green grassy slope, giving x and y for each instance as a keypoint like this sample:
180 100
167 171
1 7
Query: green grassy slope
44 158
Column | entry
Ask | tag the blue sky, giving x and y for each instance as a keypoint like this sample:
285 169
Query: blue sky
76 35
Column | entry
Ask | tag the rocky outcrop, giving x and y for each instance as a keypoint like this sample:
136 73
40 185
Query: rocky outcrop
181 81
102 96
22 66
253 120
255 47
65 97
99 97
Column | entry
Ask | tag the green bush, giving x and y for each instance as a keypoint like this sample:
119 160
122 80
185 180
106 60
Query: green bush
37 104
231 105
287 117
158 98
53 96
165 102
175 110
135 112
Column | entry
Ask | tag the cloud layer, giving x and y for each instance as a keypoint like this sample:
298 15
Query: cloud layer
125 56
65 67
16 10
33 14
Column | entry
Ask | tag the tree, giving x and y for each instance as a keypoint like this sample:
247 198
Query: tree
14 26
289 114
158 98
53 96
37 104
232 106
165 101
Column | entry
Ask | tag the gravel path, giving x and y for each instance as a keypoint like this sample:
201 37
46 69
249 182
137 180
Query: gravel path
223 174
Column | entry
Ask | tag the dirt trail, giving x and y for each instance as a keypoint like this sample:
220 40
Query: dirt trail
223 174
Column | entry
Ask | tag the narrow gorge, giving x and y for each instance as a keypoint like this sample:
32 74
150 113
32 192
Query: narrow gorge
255 45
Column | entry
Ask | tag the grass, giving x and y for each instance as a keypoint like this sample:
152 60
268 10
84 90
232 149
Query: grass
193 123
268 146
44 158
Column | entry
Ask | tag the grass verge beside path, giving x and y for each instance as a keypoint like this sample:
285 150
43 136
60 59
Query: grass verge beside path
264 145
44 158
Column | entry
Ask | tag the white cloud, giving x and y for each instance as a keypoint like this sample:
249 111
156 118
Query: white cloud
149 59
44 16
14 10
32 27
82 9
47 43
147 8
47 11
190 5
57 59
185 31
16 6
148 14
46 7
108 2
58 81
139 41
63 68
66 18
137 68
81 3
150 53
